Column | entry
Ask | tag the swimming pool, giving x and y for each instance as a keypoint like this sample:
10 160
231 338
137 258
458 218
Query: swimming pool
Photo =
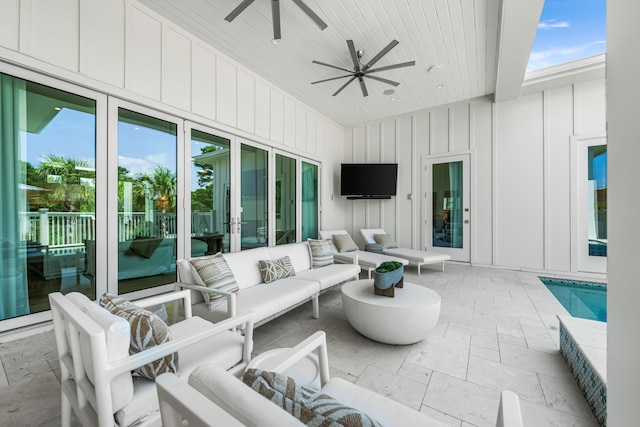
587 300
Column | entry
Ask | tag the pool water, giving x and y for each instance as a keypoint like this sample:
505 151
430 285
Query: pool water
586 300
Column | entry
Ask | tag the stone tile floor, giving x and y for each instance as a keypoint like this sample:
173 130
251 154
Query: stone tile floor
497 330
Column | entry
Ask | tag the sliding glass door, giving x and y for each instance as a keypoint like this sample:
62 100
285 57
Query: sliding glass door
285 199
310 201
252 222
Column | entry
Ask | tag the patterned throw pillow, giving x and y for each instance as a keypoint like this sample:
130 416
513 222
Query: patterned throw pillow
321 252
276 269
306 404
385 241
213 272
344 243
147 331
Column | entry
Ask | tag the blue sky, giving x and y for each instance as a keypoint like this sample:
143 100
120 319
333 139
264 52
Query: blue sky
568 30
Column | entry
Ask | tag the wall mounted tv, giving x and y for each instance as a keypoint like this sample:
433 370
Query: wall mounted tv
368 180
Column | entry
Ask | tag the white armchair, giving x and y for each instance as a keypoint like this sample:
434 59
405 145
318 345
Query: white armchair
223 392
95 365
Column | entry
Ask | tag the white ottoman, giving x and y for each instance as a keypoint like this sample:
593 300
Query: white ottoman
404 319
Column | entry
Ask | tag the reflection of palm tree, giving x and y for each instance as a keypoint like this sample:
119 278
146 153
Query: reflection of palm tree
63 178
162 185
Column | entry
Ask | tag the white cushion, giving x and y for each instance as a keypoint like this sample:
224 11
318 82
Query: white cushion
382 409
330 275
297 252
185 275
417 256
244 266
264 300
118 336
328 234
367 259
237 399
224 351
367 234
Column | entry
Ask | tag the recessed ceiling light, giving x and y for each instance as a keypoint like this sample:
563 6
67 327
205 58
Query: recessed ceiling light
357 109
434 68
440 86
389 92
393 98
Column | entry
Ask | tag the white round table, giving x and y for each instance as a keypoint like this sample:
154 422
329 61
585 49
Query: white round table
404 319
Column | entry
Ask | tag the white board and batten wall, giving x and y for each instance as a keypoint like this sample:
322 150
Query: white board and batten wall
520 207
123 49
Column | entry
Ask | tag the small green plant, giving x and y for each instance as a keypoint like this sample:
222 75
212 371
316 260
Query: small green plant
388 266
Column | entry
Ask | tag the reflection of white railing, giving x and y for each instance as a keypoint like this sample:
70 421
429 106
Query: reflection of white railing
73 228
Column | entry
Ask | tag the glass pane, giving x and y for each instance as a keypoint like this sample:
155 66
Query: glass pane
254 209
285 200
210 194
597 200
309 201
146 201
447 205
47 215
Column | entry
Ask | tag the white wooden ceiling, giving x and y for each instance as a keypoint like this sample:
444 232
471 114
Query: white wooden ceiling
462 37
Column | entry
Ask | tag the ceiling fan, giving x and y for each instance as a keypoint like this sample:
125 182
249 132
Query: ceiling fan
275 14
363 70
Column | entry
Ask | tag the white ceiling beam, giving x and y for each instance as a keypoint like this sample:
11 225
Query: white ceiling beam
518 25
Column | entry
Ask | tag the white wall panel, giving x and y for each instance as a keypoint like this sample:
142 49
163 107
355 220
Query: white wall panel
404 206
359 206
226 84
422 133
289 122
176 69
311 132
518 172
246 102
374 155
143 63
440 143
459 128
48 26
263 109
276 130
10 24
301 127
203 77
590 103
481 184
558 116
322 129
102 41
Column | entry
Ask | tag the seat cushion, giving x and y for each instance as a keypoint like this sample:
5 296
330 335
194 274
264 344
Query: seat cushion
384 410
372 259
244 265
331 275
367 234
223 350
417 256
297 252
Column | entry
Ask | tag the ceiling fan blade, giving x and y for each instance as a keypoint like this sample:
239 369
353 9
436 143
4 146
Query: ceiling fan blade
332 66
332 78
363 87
306 9
275 14
354 55
238 10
380 79
380 54
391 67
344 85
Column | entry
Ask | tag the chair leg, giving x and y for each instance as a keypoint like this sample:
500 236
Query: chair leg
419 265
65 411
316 307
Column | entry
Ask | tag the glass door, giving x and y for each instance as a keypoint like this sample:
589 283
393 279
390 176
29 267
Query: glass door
211 191
250 225
285 199
310 201
447 206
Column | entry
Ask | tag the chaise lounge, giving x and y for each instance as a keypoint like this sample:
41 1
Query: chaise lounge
378 241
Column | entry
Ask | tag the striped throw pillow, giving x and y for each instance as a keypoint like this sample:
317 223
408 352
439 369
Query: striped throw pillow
276 269
321 252
147 331
213 272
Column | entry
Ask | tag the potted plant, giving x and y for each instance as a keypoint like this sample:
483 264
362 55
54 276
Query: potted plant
388 274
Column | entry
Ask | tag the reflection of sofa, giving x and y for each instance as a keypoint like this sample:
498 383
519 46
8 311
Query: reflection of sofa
130 265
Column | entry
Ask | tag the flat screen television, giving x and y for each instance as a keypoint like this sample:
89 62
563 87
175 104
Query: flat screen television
368 180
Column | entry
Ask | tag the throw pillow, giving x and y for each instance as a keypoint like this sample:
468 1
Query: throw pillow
276 269
307 405
213 272
344 243
147 331
321 252
385 240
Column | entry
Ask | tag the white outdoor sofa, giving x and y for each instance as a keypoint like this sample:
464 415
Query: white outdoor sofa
413 256
212 396
368 261
267 300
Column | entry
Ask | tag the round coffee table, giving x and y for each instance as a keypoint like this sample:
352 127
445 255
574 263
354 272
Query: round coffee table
404 319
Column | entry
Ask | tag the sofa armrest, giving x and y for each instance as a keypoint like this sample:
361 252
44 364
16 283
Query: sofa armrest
316 341
168 297
231 296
